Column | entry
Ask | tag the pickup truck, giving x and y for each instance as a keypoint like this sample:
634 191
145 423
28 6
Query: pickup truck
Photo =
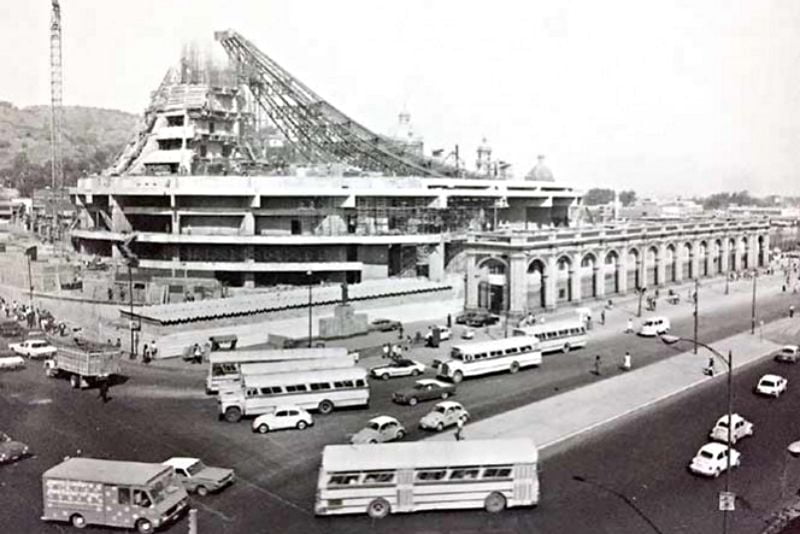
33 348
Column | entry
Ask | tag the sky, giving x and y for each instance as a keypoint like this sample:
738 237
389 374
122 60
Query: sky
669 98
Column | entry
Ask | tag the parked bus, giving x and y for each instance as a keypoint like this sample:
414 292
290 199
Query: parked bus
484 357
224 369
557 336
427 475
321 390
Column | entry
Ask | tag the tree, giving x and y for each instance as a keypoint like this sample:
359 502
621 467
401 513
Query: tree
627 197
597 196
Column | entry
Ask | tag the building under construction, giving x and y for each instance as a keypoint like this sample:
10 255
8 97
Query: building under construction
243 173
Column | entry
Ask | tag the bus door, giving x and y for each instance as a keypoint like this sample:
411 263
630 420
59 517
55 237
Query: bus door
524 475
405 490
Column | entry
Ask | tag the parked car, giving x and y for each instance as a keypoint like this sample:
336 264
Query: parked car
10 450
33 348
10 361
198 477
741 429
712 459
10 328
385 325
444 333
398 367
444 414
482 318
788 354
468 334
283 417
771 385
379 430
423 390
654 326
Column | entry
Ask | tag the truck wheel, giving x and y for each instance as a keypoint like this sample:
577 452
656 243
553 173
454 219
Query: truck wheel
233 414
77 521
202 491
144 526
325 407
75 381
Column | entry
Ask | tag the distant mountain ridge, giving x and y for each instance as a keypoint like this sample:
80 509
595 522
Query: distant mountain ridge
91 139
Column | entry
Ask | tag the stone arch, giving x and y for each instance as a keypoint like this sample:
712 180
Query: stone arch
717 257
702 258
634 262
587 275
564 273
653 257
744 253
670 263
536 287
732 266
493 280
612 274
685 254
762 253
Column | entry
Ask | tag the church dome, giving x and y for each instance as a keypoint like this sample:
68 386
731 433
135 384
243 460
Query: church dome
540 172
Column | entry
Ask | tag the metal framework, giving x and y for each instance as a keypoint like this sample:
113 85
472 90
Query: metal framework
56 107
318 131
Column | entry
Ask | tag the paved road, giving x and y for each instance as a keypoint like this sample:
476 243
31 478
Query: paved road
160 413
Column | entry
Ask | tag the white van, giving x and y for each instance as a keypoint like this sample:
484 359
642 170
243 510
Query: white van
654 326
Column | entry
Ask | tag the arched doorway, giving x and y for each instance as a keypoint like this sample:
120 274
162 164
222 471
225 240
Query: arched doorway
732 255
535 285
762 254
744 253
702 258
670 267
633 265
611 277
588 276
492 285
686 261
652 267
564 279
717 269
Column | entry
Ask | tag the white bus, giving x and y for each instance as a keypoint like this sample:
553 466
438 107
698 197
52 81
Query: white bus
484 357
321 390
557 336
379 479
224 368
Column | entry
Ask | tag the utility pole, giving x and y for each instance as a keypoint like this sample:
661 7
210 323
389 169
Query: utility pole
753 311
309 274
696 299
56 116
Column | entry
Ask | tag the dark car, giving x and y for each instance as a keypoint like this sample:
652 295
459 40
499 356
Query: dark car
482 318
10 329
424 390
10 450
385 325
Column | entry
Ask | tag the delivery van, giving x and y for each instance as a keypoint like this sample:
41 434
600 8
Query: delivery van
654 326
87 491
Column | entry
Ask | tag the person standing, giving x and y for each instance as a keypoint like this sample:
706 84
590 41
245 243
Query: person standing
103 391
603 316
626 361
459 429
791 311
597 364
629 328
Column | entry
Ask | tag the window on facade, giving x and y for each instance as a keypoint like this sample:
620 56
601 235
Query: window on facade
176 120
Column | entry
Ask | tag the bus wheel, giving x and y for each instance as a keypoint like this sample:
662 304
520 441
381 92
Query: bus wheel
233 414
378 509
144 526
74 381
514 367
495 502
566 348
77 521
458 377
325 407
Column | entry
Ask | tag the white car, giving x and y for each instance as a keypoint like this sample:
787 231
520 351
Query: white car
468 334
771 385
33 348
654 326
444 414
282 418
712 459
379 430
398 367
741 429
444 333
788 354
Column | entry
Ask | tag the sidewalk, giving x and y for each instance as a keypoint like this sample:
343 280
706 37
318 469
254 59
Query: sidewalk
580 410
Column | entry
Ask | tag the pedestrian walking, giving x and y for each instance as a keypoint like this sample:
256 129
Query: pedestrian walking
597 363
197 354
626 361
603 316
386 350
449 321
103 391
629 328
459 429
589 322
791 311
709 370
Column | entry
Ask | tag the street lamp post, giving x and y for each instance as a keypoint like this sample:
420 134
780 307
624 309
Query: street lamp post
309 274
641 291
753 310
669 340
696 317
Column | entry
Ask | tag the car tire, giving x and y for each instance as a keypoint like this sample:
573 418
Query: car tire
400 434
415 372
325 407
201 491
513 368
445 395
385 376
439 426
233 414
77 521
302 425
143 526
263 428
378 509
373 442
494 503
412 401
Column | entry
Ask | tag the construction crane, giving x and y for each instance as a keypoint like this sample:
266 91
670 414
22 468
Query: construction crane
319 132
56 115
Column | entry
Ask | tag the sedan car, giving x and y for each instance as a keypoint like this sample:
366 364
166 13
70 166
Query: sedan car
385 325
10 450
379 430
712 459
771 385
283 417
423 390
481 318
741 429
398 367
444 414
33 348
444 333
788 354
198 477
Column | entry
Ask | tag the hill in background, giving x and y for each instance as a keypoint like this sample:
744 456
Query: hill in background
91 140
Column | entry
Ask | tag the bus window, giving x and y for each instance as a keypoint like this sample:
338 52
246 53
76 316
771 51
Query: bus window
343 480
379 478
496 353
512 350
296 388
526 348
430 475
464 474
318 386
360 383
497 472
251 392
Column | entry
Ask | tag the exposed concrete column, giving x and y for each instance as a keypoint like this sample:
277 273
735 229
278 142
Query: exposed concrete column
694 259
642 265
661 267
679 261
119 222
575 277
765 247
752 254
622 271
600 278
471 282
517 283
737 256
436 263
551 274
